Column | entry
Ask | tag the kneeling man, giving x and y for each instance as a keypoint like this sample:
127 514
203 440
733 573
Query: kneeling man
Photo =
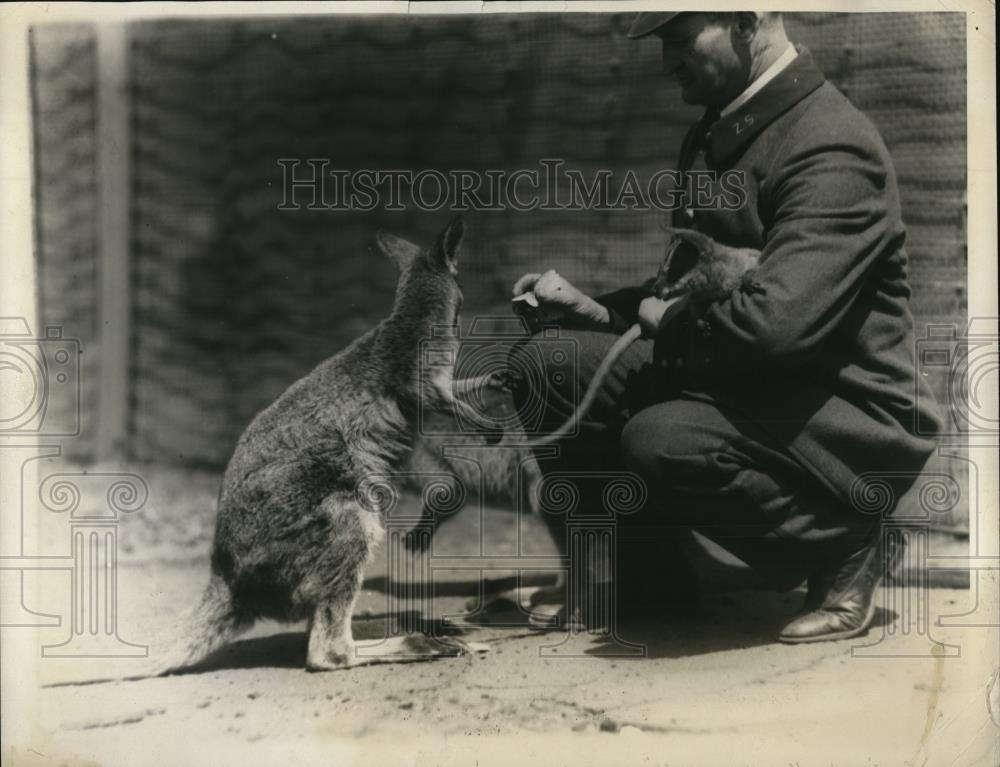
753 419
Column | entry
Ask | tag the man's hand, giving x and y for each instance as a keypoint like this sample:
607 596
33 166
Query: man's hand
559 301
653 312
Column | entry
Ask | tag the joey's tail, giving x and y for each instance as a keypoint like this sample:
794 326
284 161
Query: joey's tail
617 349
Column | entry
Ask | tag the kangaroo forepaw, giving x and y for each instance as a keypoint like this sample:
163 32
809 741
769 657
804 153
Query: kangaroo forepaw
505 380
493 437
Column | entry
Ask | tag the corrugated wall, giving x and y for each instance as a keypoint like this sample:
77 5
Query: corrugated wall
234 298
64 94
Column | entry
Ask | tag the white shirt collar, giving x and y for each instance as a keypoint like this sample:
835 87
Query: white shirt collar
769 74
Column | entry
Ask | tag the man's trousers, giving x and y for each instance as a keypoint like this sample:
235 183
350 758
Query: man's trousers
705 469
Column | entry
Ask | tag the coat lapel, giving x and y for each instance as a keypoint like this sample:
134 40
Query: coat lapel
733 133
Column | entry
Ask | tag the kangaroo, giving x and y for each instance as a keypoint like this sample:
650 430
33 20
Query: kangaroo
293 533
694 265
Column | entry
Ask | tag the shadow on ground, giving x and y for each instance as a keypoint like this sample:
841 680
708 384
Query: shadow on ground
717 632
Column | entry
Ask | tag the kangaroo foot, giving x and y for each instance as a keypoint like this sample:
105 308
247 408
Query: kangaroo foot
414 648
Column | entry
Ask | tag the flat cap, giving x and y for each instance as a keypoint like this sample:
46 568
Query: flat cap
646 23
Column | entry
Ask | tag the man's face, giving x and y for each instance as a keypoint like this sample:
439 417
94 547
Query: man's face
698 50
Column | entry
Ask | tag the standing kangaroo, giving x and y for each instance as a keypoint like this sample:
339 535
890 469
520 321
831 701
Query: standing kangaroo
293 534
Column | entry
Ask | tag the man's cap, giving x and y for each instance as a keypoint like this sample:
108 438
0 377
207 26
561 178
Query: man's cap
646 23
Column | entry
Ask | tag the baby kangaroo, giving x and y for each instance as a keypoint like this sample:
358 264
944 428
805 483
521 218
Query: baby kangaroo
694 265
293 533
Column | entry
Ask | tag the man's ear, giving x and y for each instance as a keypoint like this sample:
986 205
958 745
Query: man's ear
396 249
746 25
445 250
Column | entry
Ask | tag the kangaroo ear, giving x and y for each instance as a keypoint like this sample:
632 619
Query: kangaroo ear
691 236
396 249
445 250
679 262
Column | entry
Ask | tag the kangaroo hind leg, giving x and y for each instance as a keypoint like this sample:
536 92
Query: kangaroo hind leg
331 641
336 571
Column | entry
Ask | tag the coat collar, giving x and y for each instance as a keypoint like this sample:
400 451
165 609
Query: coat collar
735 131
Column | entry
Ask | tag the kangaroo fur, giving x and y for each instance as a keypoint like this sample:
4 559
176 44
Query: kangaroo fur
295 528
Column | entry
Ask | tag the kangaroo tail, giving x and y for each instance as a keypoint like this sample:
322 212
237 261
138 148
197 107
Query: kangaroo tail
617 349
207 627
213 622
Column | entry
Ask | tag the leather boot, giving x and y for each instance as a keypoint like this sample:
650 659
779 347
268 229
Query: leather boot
818 585
840 603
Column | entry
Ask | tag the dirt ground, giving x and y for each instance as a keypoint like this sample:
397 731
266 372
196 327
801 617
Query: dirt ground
708 689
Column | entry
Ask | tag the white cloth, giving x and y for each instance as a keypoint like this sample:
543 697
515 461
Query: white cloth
779 65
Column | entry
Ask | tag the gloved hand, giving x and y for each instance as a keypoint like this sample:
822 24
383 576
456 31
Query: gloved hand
557 301
655 312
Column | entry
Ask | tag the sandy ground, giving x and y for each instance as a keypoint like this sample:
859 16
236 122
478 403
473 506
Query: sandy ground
710 689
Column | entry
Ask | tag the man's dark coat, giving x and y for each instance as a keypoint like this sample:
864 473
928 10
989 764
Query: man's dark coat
819 351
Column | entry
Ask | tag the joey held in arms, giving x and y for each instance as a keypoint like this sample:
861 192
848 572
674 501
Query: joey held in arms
694 265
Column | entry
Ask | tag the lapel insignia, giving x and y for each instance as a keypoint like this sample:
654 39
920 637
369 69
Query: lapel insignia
797 81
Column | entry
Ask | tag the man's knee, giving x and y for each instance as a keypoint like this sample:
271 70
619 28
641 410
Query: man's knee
673 435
